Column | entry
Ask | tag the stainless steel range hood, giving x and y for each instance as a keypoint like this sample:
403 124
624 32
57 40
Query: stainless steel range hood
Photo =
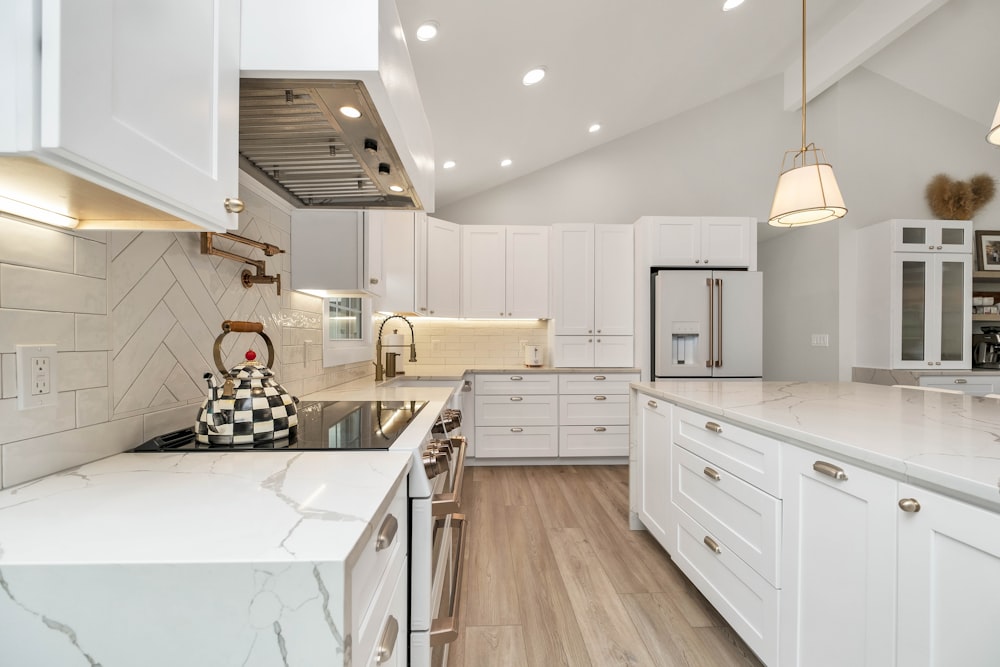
295 140
301 61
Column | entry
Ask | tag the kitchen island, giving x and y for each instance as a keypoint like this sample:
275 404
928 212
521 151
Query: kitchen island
829 523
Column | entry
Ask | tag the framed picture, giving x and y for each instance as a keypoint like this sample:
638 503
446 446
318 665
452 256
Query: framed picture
988 250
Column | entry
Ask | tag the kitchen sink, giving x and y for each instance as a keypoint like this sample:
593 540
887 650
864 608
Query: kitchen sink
417 381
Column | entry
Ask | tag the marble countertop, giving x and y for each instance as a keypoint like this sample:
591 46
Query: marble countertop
430 372
200 507
949 442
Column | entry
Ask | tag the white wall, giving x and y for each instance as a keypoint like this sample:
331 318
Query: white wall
723 158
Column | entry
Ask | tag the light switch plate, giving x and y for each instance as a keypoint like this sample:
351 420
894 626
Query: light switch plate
37 376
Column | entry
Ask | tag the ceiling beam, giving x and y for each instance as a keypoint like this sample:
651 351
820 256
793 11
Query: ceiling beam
873 25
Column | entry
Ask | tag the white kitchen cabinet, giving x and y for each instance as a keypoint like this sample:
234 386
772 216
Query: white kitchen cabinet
438 267
592 295
505 271
593 414
932 236
398 231
712 242
949 582
838 598
337 251
652 460
974 384
913 308
138 98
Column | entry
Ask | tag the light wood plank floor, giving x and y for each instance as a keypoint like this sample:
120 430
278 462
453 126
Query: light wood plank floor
554 576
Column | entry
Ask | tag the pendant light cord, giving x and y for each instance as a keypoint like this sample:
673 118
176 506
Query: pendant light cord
803 78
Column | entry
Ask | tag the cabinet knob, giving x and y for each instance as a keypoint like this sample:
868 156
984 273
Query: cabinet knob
234 205
509 314
600 429
930 363
590 340
830 470
373 281
697 261
517 429
930 247
516 398
423 309
909 505
516 378
600 398
432 312
937 363
600 377
706 261
501 313
598 331
590 331
652 404
939 247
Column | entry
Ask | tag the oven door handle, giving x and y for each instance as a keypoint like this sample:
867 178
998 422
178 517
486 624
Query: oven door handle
443 504
445 630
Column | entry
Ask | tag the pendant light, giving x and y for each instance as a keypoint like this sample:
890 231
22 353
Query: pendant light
807 191
994 136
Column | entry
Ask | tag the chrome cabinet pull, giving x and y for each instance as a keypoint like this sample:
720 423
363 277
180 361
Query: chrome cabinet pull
830 470
517 429
600 398
712 544
387 644
516 378
600 429
714 474
600 377
712 426
387 533
961 381
516 398
909 505
652 404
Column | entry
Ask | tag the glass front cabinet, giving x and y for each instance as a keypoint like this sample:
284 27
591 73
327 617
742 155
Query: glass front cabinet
931 325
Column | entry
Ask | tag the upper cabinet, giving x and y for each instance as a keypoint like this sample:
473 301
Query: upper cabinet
932 235
438 267
702 242
337 251
505 271
126 117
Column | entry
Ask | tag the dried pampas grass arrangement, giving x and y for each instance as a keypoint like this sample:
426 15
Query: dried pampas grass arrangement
959 200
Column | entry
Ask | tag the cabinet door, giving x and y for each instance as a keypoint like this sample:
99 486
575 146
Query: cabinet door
327 250
614 352
676 242
837 563
527 271
398 255
932 235
573 279
932 305
652 438
374 280
160 85
443 269
953 293
949 582
573 351
614 280
517 442
725 242
484 271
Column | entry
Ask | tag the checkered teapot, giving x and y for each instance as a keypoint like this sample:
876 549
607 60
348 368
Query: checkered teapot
249 408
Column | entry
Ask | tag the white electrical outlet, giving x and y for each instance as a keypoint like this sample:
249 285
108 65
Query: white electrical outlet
37 376
821 340
435 346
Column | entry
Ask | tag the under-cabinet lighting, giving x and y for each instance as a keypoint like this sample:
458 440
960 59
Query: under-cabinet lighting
30 212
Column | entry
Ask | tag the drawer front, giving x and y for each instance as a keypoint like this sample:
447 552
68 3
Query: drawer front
514 383
374 560
516 442
593 441
970 384
754 457
596 410
744 517
742 596
598 383
384 633
519 410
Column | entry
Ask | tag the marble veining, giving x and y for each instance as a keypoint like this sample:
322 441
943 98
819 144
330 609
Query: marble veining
949 442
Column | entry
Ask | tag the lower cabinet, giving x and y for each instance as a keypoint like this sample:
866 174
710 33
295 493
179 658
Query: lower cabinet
838 598
975 384
516 441
651 497
949 581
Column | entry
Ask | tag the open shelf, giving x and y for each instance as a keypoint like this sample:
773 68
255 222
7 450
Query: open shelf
985 317
986 275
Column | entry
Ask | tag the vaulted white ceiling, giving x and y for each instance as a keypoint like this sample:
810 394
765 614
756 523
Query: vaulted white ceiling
633 63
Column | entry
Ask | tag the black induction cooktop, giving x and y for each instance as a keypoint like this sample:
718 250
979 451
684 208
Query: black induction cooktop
323 425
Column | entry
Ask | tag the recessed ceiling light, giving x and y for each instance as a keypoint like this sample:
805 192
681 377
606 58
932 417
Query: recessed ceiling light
448 164
533 76
506 162
395 188
350 112
594 128
427 31
731 4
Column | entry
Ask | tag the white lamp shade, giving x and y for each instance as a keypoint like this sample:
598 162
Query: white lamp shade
994 135
806 195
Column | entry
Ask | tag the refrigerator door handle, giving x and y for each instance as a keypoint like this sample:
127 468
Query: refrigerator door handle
711 323
718 362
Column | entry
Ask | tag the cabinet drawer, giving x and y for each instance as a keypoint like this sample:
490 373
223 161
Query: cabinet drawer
385 625
973 384
514 383
744 517
517 410
754 457
593 441
516 441
743 597
598 383
374 560
596 410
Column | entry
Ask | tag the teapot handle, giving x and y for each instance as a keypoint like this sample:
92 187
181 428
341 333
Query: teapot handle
240 327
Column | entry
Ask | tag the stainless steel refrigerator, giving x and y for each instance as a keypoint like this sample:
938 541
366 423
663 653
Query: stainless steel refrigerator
707 324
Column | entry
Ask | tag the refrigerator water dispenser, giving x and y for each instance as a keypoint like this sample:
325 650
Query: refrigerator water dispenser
685 343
